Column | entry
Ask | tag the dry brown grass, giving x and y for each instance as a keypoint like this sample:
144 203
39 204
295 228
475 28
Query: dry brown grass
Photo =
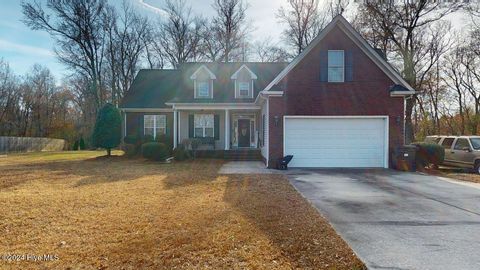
456 173
133 214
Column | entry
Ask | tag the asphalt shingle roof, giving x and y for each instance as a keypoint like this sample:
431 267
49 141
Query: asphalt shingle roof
153 88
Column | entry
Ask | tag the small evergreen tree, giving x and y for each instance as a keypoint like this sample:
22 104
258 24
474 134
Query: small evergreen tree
108 128
75 145
81 144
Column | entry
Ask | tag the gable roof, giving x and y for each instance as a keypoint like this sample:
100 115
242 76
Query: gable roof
151 88
203 67
223 86
235 75
347 28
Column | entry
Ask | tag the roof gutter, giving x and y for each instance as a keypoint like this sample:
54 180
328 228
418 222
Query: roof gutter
402 93
264 94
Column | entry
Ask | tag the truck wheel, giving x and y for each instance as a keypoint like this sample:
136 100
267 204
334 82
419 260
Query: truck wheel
477 167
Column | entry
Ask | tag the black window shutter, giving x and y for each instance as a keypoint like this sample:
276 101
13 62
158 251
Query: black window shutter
216 119
190 126
167 125
323 66
348 66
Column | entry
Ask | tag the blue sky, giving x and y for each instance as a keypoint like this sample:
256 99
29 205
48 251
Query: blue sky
22 47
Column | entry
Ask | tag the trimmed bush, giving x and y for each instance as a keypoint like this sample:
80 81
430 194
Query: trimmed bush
167 140
81 144
155 151
129 149
131 139
147 139
429 154
180 153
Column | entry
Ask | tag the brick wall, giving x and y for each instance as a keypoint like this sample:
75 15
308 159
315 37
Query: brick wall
305 94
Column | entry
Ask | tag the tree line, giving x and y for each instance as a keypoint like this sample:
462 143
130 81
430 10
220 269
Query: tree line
103 46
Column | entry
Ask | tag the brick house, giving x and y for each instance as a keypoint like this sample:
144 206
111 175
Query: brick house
337 104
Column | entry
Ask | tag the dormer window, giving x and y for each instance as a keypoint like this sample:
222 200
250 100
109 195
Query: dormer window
203 82
243 80
244 89
203 89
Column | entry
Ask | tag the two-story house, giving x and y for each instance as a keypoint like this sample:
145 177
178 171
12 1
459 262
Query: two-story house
337 104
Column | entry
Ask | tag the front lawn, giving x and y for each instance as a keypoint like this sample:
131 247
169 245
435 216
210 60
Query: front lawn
98 213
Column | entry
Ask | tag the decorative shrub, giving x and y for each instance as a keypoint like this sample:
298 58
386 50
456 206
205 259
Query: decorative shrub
129 149
192 144
429 154
180 153
147 139
81 144
155 151
167 140
108 128
131 139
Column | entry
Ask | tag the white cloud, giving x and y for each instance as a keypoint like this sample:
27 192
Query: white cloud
6 45
152 8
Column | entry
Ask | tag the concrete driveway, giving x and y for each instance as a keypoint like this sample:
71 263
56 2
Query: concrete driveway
396 220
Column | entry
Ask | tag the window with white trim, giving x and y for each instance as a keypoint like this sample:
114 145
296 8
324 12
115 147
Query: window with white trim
203 89
155 125
203 125
243 89
336 66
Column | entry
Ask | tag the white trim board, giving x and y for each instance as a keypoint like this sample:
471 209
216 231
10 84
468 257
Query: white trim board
146 109
385 117
210 73
347 28
252 75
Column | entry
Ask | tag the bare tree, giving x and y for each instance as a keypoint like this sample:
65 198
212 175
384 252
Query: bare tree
128 33
178 37
229 29
399 26
78 30
266 51
8 95
303 22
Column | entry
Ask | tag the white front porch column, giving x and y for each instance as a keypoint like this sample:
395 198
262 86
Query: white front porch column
175 127
124 125
227 129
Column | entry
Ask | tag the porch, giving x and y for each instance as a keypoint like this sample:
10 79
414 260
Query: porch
219 129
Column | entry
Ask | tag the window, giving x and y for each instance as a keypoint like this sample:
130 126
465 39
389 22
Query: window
244 89
154 125
336 67
475 143
203 125
461 144
252 131
447 143
203 89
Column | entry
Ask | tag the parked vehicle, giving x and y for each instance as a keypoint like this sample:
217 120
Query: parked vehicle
460 151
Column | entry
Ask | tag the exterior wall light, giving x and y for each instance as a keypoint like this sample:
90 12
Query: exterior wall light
276 120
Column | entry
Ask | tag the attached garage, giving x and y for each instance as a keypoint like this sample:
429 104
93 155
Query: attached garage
336 141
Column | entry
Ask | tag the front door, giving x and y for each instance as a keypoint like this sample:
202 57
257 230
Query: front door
243 132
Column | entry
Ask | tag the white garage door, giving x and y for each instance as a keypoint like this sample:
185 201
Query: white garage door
336 142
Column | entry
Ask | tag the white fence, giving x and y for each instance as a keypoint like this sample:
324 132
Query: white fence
30 144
